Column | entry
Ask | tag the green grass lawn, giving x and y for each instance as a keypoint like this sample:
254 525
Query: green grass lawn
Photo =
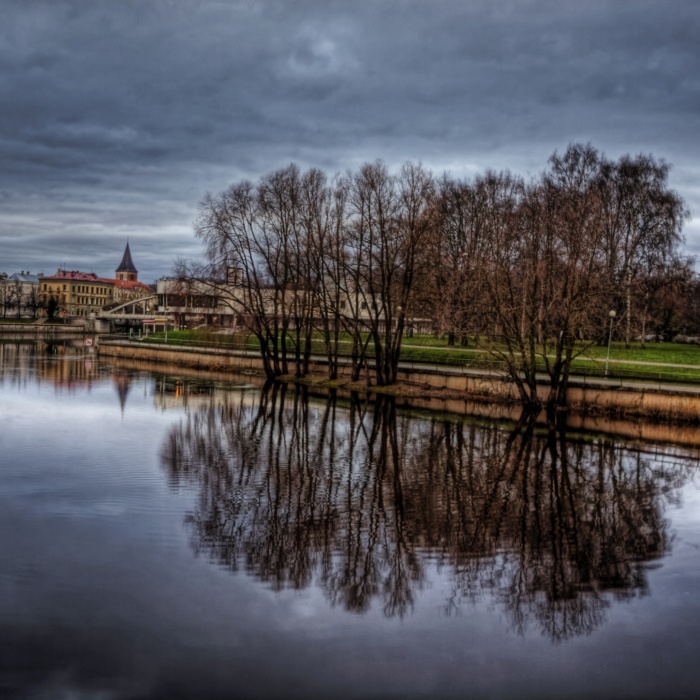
428 349
672 353
632 371
204 337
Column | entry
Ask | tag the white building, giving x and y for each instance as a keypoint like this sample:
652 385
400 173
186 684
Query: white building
19 294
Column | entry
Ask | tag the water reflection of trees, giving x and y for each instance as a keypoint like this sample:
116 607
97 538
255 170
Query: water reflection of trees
359 499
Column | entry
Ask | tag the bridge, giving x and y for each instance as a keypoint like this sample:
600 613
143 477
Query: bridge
129 313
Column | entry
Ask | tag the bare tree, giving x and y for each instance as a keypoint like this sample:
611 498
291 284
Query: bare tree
18 292
509 260
661 293
573 288
546 257
228 223
270 234
4 294
391 217
323 222
372 261
33 300
643 223
281 249
459 308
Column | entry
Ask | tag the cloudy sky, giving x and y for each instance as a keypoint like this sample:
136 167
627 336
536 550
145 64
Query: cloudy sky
116 117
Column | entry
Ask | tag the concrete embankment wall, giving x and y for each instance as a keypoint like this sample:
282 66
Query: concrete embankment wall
681 434
642 399
196 358
39 329
587 396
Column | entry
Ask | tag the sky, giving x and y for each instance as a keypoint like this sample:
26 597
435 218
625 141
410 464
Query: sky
117 117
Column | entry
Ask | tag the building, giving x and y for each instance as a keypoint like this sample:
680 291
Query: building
191 303
126 283
127 270
19 294
76 293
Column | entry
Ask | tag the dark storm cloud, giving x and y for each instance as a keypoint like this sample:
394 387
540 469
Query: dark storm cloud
118 117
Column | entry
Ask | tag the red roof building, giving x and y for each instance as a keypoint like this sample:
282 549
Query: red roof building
76 293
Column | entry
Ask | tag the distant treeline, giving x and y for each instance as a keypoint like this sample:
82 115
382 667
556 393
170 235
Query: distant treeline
531 269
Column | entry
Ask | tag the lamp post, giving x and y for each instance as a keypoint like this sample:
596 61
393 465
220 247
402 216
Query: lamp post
611 315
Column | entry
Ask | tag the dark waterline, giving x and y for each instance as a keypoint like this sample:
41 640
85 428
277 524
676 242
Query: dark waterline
168 537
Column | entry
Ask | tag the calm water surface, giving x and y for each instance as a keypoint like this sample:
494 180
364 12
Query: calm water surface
163 536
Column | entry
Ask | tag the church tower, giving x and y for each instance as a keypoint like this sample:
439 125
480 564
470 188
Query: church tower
126 269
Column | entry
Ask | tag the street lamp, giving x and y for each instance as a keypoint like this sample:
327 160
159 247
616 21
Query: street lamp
611 315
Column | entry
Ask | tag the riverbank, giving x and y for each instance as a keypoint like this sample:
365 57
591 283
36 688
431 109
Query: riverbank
40 329
635 430
450 386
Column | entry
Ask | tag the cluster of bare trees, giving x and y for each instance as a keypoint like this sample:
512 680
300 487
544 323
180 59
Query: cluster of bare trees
338 259
537 266
529 268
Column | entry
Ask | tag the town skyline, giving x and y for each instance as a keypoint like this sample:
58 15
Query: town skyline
67 267
119 118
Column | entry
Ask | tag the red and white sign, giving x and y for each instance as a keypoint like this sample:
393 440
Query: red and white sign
89 342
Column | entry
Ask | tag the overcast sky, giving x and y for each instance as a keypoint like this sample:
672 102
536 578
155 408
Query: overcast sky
116 117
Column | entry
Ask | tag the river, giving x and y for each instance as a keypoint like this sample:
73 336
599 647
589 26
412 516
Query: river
165 535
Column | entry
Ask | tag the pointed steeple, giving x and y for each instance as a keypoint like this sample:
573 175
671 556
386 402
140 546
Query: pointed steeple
127 270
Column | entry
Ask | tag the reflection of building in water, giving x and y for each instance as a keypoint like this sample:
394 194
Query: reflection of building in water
176 393
20 358
65 363
122 382
358 502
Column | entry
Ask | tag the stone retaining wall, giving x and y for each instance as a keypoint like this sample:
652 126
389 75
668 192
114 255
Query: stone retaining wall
660 401
31 329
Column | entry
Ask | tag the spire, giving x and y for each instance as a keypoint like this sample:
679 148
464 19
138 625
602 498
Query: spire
127 270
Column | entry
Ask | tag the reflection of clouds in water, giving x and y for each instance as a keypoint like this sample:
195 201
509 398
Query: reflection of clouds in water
99 509
355 501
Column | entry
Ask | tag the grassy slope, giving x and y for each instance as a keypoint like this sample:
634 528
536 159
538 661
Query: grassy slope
624 362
